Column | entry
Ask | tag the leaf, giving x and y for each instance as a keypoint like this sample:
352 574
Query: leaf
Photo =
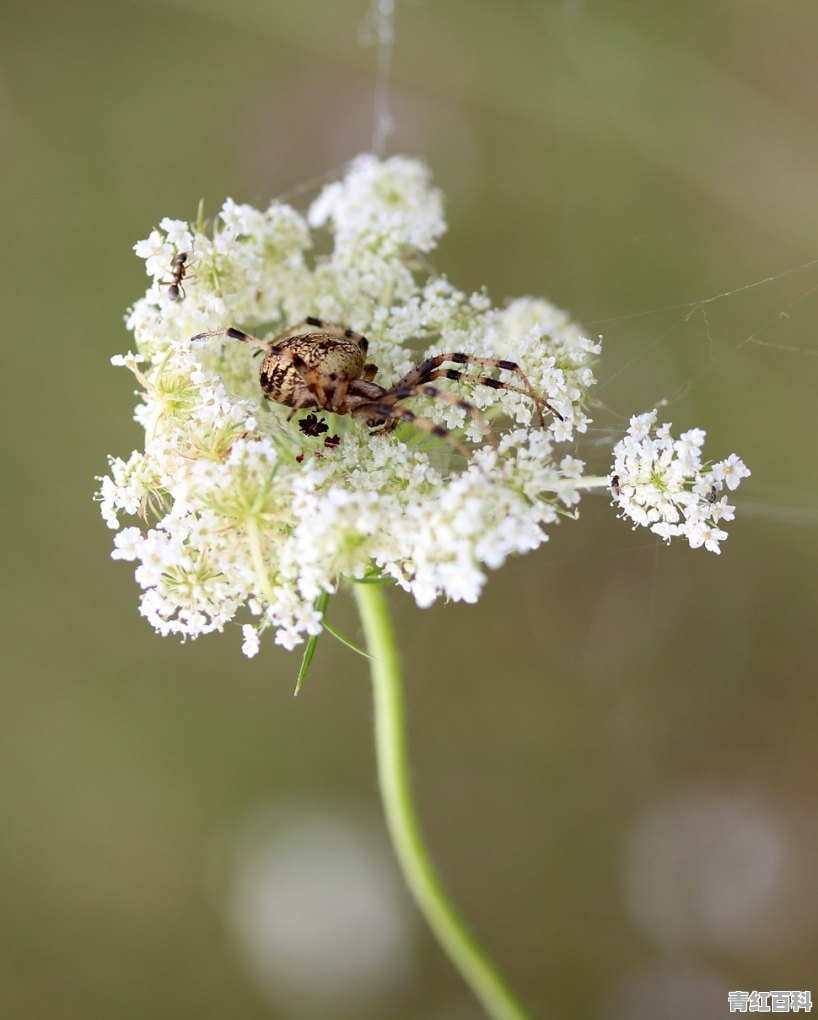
321 604
345 641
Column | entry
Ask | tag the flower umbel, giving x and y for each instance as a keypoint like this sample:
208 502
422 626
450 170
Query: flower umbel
246 512
661 483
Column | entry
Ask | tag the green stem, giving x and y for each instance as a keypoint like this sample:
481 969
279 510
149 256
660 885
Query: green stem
257 556
393 777
593 482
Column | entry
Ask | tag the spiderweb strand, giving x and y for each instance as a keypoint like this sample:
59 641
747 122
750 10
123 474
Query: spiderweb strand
382 24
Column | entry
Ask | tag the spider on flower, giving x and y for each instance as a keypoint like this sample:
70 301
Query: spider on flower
326 368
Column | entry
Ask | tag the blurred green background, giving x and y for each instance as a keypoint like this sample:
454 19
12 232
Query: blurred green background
615 752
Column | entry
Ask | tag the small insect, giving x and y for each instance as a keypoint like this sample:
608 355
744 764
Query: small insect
712 496
178 269
616 492
321 365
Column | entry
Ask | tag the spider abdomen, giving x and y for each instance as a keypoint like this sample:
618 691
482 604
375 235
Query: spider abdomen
282 371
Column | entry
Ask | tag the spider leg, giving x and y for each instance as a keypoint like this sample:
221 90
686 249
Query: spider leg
391 411
425 390
268 345
324 327
235 334
430 369
338 395
314 383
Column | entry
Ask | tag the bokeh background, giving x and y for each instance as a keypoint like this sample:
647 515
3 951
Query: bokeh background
615 752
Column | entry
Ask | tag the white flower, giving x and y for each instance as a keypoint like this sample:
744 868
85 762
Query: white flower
730 471
127 544
701 533
660 483
178 233
250 644
157 253
390 206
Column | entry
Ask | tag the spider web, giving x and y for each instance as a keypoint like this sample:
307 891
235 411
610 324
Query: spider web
709 325
721 350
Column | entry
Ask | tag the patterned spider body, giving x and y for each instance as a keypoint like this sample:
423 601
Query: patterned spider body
321 369
326 368
322 353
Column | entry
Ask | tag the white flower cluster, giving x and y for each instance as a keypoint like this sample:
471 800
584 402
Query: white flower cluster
661 483
242 509
243 512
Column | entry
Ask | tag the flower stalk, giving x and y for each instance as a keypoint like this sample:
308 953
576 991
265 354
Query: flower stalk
393 778
257 556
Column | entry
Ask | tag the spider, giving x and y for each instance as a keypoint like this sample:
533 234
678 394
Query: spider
316 364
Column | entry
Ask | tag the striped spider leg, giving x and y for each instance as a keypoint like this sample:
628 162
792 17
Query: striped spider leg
431 369
317 364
